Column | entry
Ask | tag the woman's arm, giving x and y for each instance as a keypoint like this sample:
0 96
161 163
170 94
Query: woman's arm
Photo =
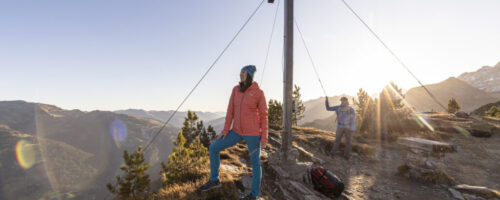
262 106
229 114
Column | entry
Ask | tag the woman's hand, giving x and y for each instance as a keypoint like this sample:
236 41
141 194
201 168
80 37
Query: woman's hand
263 144
221 135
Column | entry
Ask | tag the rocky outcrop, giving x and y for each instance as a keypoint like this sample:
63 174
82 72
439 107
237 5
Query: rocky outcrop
423 160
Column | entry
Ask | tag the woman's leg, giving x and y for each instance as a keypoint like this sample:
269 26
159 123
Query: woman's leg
231 139
253 143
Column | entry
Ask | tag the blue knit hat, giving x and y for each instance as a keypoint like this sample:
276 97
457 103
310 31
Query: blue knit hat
250 69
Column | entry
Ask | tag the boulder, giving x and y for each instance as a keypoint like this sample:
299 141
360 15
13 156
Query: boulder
462 114
456 194
482 129
480 133
246 180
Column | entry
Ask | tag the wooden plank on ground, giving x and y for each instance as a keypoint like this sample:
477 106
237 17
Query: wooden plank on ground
427 145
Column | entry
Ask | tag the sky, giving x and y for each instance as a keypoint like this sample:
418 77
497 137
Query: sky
119 54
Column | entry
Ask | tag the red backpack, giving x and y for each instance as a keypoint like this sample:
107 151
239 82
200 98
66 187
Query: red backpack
326 182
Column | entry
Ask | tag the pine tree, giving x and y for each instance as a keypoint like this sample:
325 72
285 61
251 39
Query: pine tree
184 162
299 108
362 102
365 111
211 132
493 111
275 113
203 134
200 153
189 130
453 106
135 182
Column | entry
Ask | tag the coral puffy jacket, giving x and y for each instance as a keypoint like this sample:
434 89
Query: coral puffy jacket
247 111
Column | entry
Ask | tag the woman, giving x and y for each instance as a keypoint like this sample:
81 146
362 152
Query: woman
247 112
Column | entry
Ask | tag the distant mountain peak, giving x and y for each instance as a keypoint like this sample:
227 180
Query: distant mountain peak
452 79
468 97
486 78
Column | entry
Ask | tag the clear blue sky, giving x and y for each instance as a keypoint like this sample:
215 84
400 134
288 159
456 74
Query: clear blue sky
110 55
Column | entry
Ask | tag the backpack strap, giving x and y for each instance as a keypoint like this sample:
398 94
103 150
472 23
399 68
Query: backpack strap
341 113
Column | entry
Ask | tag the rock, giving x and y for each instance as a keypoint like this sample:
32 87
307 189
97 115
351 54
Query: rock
306 178
480 133
297 187
274 158
264 155
482 129
293 154
478 190
435 176
456 194
312 197
462 114
280 172
472 197
274 141
246 180
230 168
286 194
297 169
308 156
429 164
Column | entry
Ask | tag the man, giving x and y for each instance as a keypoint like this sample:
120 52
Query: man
346 124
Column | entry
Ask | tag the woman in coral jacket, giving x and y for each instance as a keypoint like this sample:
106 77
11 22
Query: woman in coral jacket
247 112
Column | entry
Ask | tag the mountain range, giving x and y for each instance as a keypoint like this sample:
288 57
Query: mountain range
487 78
50 152
176 121
467 96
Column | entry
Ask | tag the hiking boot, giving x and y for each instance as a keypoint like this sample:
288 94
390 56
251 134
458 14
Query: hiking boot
248 197
209 185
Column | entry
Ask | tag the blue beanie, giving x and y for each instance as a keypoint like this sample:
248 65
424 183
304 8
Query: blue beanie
250 69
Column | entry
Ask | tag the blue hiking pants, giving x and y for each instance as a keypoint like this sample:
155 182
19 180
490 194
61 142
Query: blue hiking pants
253 144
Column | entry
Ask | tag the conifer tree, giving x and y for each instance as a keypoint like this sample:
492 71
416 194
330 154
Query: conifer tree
299 108
189 130
275 113
493 111
203 134
135 182
184 162
365 111
453 106
211 132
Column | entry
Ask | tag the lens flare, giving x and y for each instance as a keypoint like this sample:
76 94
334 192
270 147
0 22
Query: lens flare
25 154
118 131
462 130
418 116
421 119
